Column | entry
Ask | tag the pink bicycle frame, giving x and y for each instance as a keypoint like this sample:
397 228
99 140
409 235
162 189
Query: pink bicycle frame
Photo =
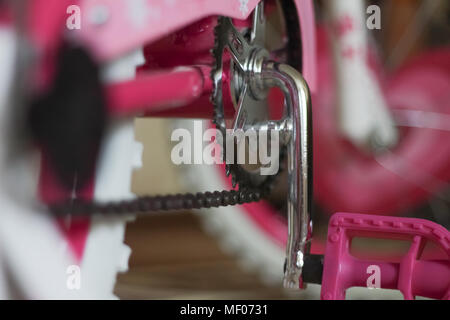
120 35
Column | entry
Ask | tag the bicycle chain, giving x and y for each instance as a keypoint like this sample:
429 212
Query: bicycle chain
148 204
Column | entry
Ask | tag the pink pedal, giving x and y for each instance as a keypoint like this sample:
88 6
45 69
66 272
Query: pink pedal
413 277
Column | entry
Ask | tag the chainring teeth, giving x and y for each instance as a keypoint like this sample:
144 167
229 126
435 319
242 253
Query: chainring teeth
239 176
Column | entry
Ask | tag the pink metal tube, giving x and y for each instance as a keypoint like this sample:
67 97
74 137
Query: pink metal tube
158 92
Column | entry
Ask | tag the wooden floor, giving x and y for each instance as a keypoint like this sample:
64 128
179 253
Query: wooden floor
174 259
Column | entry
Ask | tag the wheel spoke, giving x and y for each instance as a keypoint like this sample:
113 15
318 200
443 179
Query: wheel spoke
422 119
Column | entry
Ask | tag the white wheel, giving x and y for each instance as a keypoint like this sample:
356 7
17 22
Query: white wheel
37 260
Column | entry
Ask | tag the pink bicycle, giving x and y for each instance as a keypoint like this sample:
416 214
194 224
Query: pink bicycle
246 64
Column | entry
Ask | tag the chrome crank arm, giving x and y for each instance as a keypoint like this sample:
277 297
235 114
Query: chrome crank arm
298 124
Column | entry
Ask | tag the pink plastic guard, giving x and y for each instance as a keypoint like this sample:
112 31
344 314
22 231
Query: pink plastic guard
413 277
